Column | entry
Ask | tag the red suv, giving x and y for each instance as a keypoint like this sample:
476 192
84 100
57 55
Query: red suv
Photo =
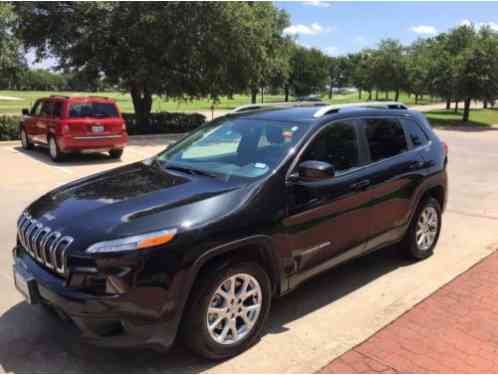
74 124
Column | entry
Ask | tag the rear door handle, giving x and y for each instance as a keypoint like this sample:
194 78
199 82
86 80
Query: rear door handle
363 184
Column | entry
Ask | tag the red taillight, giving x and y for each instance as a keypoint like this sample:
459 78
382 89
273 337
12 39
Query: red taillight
445 148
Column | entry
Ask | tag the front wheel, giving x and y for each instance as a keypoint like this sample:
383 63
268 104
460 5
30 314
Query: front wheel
423 234
116 153
227 311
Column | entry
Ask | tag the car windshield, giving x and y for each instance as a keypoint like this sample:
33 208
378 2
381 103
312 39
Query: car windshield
237 147
95 109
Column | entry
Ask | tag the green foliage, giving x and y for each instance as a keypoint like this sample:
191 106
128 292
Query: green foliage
309 71
9 128
164 122
11 58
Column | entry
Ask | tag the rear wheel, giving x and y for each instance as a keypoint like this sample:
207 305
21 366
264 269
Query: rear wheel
227 311
424 230
54 150
26 143
116 153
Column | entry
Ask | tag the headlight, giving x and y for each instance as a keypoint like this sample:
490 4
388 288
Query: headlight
141 241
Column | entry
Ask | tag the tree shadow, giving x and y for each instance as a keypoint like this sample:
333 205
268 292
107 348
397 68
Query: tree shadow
70 160
445 120
34 340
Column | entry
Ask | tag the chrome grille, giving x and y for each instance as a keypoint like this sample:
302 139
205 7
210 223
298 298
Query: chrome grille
42 244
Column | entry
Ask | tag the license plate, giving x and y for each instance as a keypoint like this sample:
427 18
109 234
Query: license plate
26 285
97 129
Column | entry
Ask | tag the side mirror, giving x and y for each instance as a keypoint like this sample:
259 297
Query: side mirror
314 170
25 112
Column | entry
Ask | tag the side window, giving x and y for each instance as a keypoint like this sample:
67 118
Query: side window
386 138
47 109
58 107
35 111
336 144
416 134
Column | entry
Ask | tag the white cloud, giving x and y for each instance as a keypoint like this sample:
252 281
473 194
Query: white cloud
423 29
331 51
313 29
318 3
492 25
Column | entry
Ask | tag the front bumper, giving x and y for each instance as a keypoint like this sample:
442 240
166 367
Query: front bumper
111 320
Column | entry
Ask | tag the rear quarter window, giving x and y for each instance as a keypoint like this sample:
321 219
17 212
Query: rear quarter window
415 133
386 138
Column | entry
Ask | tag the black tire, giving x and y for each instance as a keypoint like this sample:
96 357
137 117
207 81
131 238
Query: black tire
409 244
194 330
116 153
26 143
53 150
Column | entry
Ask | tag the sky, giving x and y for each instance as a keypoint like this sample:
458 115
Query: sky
338 28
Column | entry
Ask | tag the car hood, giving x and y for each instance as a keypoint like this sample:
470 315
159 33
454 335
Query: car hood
137 198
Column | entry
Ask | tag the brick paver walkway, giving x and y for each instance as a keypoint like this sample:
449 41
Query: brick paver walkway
453 330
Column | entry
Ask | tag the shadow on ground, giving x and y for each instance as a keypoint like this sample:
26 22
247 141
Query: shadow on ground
70 160
449 120
33 340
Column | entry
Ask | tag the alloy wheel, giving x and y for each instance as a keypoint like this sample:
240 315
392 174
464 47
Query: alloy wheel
234 309
427 228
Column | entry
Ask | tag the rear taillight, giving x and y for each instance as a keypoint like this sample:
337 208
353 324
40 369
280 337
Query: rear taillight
445 148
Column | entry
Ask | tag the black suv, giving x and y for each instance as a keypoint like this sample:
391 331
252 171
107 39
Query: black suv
198 239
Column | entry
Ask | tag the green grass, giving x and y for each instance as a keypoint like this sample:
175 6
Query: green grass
164 105
482 118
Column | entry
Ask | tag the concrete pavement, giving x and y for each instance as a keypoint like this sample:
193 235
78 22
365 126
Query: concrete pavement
321 320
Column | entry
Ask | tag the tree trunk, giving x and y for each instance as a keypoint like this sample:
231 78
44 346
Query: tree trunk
359 94
416 98
286 89
254 95
396 96
331 90
448 103
456 106
262 95
376 94
485 104
387 95
466 110
370 95
142 103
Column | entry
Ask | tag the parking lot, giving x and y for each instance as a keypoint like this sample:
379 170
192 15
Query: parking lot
308 328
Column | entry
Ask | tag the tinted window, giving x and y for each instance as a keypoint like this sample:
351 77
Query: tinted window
58 106
36 108
47 109
386 138
416 134
337 144
98 110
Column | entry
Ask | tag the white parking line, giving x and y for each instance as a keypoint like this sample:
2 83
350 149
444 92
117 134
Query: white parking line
62 169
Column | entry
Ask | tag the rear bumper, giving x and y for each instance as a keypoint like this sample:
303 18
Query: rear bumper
93 142
110 321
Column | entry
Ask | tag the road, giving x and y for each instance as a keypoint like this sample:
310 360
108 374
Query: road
308 328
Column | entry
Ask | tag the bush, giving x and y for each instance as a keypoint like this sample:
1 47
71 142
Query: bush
9 128
160 123
164 122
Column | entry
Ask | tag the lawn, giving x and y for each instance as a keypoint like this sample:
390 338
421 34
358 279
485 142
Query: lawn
164 105
482 118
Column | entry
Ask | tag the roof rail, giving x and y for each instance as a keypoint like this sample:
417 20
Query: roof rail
335 108
256 107
59 96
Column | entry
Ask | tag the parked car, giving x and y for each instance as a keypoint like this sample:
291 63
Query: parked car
74 124
197 240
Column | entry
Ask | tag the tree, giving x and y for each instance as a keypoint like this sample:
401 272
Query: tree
176 49
339 73
308 71
12 62
389 67
418 62
362 73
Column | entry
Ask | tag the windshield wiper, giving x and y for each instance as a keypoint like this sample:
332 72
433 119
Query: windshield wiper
189 170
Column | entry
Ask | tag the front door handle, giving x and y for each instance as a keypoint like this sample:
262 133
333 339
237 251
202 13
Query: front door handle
363 184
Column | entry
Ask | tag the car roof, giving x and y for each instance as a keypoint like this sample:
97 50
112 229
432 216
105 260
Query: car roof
79 98
307 114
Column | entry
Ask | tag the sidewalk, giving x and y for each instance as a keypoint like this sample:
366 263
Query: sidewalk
453 330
